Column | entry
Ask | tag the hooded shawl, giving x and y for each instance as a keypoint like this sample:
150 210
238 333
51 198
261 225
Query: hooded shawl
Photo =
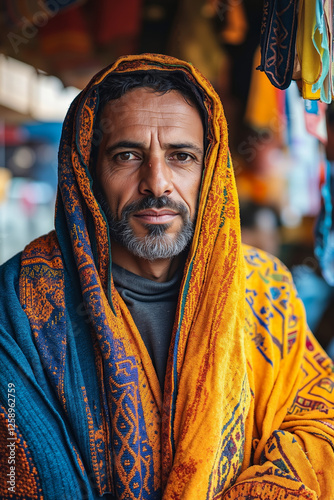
246 410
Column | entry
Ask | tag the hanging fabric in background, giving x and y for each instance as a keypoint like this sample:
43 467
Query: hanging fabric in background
324 46
315 119
304 159
278 38
324 231
297 43
314 48
266 104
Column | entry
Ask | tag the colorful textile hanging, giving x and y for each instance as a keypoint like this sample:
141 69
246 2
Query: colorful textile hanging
324 233
305 158
265 104
314 49
297 43
315 119
278 36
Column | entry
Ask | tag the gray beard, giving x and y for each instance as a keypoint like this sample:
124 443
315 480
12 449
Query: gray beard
156 244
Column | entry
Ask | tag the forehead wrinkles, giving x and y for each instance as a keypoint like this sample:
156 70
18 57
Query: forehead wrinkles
139 111
126 115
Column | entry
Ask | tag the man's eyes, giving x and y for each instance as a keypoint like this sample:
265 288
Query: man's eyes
179 156
126 156
182 157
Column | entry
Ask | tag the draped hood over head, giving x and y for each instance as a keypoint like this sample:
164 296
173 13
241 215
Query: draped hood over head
175 440
247 389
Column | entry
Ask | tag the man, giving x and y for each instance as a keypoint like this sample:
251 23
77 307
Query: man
151 355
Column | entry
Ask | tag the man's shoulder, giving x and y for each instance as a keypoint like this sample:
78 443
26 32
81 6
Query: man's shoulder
269 284
45 247
275 315
9 271
261 264
9 292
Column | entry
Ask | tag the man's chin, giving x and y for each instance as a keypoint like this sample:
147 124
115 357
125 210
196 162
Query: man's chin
158 230
157 243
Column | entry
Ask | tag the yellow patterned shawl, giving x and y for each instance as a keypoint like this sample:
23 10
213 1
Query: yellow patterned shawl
246 406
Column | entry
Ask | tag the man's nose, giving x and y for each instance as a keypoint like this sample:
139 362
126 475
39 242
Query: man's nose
156 177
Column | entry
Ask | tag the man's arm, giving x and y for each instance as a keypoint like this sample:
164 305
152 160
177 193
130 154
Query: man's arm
293 407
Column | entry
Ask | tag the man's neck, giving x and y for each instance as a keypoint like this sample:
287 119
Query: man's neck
156 270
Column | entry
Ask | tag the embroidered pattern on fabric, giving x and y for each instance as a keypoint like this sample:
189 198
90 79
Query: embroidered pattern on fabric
42 298
278 35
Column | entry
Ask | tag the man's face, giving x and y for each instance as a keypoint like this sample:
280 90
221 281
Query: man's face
149 168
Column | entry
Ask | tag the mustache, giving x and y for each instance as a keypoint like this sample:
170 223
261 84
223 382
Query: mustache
155 202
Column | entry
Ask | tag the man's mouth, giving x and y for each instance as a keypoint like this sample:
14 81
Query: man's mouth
156 216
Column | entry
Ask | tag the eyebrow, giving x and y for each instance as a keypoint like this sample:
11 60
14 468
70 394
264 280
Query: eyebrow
186 145
141 145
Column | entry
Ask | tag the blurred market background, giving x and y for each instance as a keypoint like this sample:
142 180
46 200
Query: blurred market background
281 120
